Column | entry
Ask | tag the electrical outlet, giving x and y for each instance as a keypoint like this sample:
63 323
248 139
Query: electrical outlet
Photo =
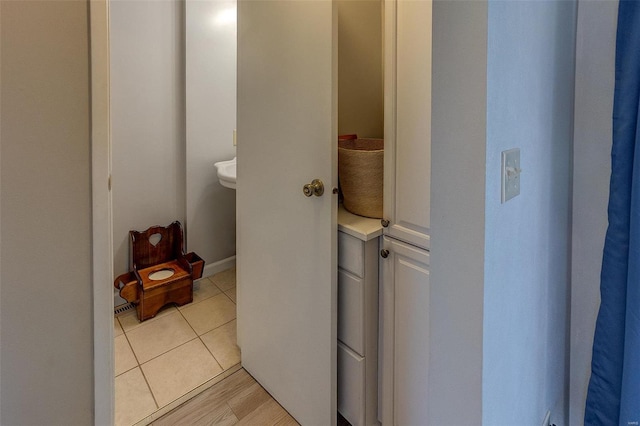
510 174
547 419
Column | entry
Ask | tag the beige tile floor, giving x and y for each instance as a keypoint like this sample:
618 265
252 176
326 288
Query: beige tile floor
161 360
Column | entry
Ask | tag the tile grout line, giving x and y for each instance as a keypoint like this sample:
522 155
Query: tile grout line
222 371
144 376
214 357
199 301
168 350
184 399
132 351
182 344
232 301
221 325
187 306
202 341
162 311
209 331
139 365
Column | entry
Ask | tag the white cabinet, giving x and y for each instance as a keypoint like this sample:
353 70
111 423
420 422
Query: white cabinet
404 298
404 342
358 318
407 134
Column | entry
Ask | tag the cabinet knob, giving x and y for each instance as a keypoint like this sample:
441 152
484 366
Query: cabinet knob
385 223
384 253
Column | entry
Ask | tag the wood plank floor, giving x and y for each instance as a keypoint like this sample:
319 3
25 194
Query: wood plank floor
236 400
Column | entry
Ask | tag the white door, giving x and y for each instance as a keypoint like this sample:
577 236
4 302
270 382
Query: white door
407 161
286 242
405 334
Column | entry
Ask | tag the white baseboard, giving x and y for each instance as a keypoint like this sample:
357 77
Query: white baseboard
117 300
218 266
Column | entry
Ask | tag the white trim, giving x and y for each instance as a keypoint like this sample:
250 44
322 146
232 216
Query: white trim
1 208
218 266
385 272
411 232
103 358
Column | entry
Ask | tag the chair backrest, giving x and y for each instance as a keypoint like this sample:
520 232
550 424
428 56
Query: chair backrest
156 245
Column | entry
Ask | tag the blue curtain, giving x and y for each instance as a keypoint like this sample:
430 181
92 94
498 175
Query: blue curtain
613 397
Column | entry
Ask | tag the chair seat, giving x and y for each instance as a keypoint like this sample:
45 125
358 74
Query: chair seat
154 294
156 249
178 273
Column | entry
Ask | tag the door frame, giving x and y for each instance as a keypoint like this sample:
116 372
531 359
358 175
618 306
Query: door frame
102 244
102 219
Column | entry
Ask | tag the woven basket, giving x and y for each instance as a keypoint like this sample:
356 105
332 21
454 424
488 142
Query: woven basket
360 170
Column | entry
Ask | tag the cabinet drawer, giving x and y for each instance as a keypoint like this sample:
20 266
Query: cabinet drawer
351 254
350 385
351 311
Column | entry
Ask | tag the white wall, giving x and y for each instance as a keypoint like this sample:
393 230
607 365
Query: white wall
595 55
46 296
530 81
503 77
172 114
211 117
360 94
147 118
457 211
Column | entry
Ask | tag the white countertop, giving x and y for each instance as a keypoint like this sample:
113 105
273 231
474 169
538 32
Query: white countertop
363 228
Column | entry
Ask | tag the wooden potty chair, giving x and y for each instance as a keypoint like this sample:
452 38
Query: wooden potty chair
161 272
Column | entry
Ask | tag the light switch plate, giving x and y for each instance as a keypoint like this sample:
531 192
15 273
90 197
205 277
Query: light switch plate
510 174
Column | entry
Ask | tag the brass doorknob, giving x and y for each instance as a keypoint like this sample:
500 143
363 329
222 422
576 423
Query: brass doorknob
316 187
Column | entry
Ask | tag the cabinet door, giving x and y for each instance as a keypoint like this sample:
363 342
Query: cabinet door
405 334
407 173
351 385
351 311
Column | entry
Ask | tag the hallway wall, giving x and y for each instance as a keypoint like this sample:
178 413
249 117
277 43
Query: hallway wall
500 273
530 93
46 318
147 118
457 211
595 55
